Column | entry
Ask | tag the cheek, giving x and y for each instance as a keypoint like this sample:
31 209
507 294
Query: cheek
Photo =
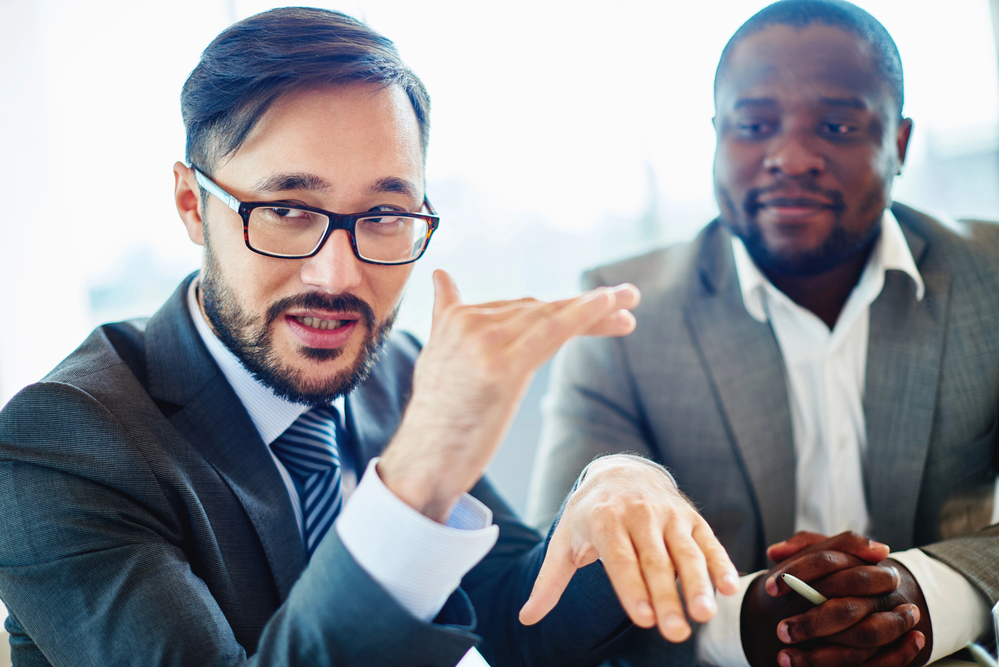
387 284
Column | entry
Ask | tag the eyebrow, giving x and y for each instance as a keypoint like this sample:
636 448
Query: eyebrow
847 102
753 102
297 181
396 185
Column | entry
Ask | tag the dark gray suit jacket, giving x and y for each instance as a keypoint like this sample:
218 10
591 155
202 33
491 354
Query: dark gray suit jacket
142 522
700 387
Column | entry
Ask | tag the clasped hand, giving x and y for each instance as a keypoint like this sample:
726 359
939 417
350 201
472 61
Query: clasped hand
875 616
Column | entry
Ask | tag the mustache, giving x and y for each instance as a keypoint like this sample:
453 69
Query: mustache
752 205
317 301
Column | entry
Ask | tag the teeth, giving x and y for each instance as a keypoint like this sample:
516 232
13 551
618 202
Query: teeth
317 323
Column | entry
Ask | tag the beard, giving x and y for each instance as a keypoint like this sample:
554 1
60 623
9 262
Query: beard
251 339
838 248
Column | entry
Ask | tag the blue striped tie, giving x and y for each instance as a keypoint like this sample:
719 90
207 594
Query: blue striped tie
308 450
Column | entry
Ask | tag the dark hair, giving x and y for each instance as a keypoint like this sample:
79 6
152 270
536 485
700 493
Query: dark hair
836 13
254 62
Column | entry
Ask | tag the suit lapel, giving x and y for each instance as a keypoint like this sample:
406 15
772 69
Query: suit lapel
211 418
903 373
373 413
744 365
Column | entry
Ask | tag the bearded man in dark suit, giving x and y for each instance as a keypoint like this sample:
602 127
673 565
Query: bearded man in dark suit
174 492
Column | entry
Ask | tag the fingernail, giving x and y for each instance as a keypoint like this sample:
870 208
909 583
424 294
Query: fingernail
896 576
915 615
730 580
771 585
783 634
644 610
705 602
784 659
877 545
675 624
920 642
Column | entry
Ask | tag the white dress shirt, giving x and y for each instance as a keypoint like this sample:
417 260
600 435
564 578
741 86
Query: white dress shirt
825 373
418 561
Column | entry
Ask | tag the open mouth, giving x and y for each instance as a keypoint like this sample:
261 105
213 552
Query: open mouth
322 325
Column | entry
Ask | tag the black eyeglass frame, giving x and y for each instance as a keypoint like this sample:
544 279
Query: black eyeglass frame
344 221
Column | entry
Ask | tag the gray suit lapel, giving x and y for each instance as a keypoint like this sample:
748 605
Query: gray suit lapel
211 418
903 372
744 366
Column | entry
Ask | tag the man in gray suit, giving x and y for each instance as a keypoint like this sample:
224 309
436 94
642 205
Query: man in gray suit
173 493
817 360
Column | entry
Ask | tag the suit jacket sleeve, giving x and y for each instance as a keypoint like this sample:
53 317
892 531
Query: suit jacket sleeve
94 563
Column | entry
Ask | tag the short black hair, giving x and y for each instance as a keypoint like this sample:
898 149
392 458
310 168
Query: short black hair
836 13
254 62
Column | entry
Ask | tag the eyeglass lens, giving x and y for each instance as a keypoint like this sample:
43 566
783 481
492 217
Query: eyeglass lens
291 231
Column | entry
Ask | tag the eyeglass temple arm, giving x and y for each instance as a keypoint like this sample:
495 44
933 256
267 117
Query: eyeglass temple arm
429 206
209 185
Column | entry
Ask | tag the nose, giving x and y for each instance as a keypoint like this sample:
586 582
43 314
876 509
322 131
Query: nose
334 269
791 154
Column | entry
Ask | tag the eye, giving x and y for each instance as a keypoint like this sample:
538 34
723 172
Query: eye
290 213
838 129
754 127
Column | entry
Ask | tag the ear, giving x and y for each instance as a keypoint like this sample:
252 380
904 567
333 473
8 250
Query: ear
902 139
187 196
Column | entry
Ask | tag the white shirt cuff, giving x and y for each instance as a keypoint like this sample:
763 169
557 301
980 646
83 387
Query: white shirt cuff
418 561
958 612
719 641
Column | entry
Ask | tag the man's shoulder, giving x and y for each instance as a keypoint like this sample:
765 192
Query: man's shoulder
663 270
960 247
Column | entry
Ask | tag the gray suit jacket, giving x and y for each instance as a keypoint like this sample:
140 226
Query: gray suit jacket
142 522
700 387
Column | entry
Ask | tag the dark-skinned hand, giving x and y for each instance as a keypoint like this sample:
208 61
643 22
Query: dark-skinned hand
875 616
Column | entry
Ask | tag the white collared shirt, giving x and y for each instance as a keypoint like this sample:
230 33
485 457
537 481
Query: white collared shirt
418 561
825 372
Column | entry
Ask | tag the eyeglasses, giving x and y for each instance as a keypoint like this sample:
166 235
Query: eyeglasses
294 232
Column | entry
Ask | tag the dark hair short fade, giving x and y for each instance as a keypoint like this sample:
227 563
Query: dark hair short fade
836 13
254 62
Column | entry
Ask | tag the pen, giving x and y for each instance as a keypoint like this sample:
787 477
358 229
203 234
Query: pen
981 656
803 589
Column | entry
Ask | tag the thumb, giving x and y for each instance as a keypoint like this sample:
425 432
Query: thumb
556 572
445 295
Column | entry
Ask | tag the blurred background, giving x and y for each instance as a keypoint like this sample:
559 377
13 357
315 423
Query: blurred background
565 135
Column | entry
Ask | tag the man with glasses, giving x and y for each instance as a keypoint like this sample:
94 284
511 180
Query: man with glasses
817 361
261 474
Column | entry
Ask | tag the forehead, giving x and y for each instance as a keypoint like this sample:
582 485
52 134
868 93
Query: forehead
345 134
817 61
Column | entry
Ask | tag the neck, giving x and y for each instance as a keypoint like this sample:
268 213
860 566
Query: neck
824 294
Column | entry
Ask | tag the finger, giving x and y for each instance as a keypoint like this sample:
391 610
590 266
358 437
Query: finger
445 295
722 571
827 619
617 553
808 568
544 336
826 655
555 573
690 563
861 580
781 550
879 629
901 653
660 577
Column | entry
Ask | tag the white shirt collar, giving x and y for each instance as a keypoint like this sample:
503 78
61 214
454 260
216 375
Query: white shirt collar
890 252
271 414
